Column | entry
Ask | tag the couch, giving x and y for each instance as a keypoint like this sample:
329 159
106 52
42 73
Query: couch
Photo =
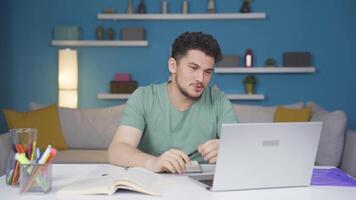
88 133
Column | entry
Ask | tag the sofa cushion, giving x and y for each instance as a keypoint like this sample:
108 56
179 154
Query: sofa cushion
45 120
88 128
332 135
292 115
81 156
255 114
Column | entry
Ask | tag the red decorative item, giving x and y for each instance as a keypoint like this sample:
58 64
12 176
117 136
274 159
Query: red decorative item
122 77
248 58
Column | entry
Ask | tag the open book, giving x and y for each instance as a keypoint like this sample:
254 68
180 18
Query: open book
109 178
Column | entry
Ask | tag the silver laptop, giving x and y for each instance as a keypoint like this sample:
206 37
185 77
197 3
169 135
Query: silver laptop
265 155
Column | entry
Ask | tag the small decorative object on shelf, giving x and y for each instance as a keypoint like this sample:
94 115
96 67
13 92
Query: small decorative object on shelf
164 7
229 61
270 62
129 7
185 7
248 61
99 33
245 7
133 34
211 6
123 87
111 33
123 84
108 10
67 33
141 7
250 82
296 59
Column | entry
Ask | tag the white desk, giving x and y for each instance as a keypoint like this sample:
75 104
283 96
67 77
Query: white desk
184 188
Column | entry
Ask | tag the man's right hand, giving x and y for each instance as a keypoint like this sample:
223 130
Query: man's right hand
173 161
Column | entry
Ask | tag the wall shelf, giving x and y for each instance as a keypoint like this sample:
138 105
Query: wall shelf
99 43
197 16
112 96
104 96
264 70
245 96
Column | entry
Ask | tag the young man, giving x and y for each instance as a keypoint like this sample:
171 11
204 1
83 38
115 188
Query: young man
164 123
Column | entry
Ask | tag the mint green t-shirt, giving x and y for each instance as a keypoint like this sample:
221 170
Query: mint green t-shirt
164 127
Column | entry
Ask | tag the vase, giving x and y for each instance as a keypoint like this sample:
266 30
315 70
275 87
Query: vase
99 33
245 7
111 34
211 6
185 7
249 88
141 7
164 7
129 7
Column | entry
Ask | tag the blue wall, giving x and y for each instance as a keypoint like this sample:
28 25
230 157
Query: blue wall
4 61
325 28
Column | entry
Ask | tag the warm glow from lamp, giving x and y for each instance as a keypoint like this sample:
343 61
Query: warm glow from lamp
68 98
68 78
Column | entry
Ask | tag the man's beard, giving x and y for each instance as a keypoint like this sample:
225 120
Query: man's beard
185 92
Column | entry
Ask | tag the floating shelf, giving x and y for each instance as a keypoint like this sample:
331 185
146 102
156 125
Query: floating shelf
245 96
197 16
100 43
266 70
229 96
113 96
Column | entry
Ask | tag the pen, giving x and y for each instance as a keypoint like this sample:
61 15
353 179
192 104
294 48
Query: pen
194 152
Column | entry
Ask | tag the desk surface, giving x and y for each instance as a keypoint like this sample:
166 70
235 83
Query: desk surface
183 188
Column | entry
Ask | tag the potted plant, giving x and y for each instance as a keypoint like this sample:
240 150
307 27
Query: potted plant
250 82
270 62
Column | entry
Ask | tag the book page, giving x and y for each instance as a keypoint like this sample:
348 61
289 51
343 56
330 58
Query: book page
97 185
147 181
107 179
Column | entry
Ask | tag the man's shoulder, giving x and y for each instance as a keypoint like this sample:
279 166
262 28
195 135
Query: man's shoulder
151 89
213 93
148 92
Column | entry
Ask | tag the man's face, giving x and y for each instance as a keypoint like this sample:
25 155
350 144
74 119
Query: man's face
192 73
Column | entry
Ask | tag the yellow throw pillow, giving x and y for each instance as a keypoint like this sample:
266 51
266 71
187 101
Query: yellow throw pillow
292 115
45 120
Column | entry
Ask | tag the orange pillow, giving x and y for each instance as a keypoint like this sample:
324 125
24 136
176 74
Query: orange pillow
45 120
292 115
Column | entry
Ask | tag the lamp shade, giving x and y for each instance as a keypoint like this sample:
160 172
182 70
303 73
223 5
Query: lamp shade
68 98
67 69
68 78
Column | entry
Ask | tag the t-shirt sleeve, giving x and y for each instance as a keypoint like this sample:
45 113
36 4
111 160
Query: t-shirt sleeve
225 111
134 111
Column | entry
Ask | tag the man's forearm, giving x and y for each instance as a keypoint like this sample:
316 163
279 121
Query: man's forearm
124 155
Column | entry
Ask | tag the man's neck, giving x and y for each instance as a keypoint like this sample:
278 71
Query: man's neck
179 101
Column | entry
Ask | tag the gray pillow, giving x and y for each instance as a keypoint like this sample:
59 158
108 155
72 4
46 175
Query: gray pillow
88 128
332 135
255 114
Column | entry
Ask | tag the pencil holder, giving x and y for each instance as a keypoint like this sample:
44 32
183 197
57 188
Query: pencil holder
35 178
23 140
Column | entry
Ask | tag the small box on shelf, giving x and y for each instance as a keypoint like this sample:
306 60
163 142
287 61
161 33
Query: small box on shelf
122 87
67 33
229 61
296 59
133 34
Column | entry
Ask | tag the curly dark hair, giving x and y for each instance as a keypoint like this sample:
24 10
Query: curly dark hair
196 40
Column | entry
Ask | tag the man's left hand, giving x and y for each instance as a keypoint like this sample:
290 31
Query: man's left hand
209 150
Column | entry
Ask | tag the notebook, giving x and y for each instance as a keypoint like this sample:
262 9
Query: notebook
264 155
